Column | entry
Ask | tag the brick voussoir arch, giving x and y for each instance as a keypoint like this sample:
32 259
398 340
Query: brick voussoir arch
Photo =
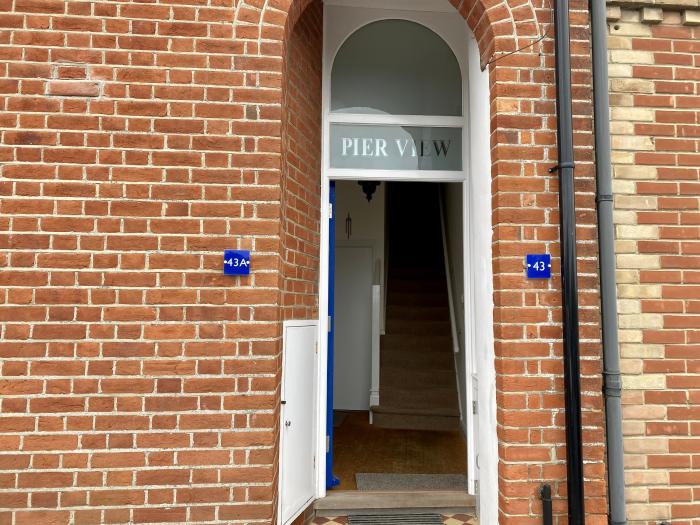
491 21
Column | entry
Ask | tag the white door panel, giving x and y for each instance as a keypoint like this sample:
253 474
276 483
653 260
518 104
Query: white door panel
298 418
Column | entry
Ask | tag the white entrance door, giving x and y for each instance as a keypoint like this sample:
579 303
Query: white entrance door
298 414
353 327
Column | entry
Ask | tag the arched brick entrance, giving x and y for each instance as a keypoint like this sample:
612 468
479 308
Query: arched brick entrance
525 207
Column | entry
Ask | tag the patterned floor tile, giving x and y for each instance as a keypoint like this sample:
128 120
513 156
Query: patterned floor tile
340 520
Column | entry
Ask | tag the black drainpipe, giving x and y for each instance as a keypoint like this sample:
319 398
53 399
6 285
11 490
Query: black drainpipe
567 212
546 495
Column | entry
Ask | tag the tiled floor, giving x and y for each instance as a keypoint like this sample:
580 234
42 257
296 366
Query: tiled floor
451 519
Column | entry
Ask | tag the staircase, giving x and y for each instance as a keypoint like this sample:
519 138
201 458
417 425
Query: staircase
418 387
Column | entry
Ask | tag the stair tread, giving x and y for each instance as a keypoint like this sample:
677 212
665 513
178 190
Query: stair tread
415 411
418 386
417 404
421 337
418 350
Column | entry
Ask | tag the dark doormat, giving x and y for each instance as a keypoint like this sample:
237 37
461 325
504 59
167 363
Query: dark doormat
411 481
394 519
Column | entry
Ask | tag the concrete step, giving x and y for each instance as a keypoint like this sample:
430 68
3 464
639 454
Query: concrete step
341 502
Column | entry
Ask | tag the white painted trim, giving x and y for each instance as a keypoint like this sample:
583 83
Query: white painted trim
376 119
476 197
323 276
481 237
395 175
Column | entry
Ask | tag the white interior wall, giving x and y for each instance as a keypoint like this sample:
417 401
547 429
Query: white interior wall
452 212
367 220
353 295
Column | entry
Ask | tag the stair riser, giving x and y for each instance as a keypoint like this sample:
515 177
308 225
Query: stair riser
417 314
418 327
415 299
435 379
417 340
408 422
407 363
412 286
443 399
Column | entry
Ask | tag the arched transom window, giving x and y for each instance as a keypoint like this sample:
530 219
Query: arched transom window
396 101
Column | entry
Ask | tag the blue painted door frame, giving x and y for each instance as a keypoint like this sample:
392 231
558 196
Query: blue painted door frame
331 480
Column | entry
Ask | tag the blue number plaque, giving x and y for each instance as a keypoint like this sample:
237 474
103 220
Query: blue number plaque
539 266
236 262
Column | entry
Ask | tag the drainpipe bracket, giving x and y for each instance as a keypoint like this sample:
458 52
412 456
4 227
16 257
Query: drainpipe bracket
563 165
603 198
612 388
619 522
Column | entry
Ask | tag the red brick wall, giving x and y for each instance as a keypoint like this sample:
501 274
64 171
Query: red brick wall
139 141
655 88
301 151
301 173
138 383
527 315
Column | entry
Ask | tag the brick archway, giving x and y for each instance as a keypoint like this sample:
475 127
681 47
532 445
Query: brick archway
497 26
524 218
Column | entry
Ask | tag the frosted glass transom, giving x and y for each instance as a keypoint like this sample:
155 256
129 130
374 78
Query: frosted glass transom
396 67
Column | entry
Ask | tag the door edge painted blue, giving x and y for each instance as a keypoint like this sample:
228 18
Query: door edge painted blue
331 480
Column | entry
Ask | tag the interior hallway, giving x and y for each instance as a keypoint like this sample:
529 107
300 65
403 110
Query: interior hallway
363 448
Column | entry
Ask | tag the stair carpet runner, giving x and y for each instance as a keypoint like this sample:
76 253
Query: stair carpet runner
418 387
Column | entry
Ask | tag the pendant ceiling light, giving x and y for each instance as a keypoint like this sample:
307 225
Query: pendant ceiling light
369 187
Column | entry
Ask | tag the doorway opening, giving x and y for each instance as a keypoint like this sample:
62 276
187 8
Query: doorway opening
399 373
405 105
404 102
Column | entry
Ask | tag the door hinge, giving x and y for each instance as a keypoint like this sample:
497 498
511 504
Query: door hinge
476 486
330 211
330 324
474 405
328 444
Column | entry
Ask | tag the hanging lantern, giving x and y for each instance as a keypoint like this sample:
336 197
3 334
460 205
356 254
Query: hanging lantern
369 187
